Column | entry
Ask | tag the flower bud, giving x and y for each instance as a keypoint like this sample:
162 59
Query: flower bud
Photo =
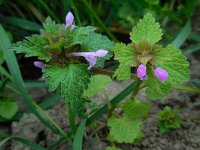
161 74
141 72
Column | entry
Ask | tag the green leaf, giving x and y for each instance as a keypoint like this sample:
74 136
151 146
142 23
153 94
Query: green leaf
126 55
123 130
78 139
174 62
97 83
135 109
33 46
146 30
155 88
94 41
8 108
113 148
79 33
70 80
52 28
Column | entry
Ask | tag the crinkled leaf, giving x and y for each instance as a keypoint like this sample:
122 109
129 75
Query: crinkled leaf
155 88
174 62
126 55
80 33
97 83
70 80
123 72
51 27
94 42
123 130
33 46
8 108
146 29
135 109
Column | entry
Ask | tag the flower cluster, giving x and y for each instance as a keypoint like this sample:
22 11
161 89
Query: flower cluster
160 73
91 57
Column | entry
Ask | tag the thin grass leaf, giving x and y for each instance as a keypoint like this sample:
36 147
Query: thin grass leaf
182 35
22 23
5 73
26 142
191 49
78 139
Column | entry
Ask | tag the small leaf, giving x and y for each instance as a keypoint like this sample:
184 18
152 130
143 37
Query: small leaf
51 27
8 108
33 46
126 55
97 83
135 109
146 30
70 80
123 130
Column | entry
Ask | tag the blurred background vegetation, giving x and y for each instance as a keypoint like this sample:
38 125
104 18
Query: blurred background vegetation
112 17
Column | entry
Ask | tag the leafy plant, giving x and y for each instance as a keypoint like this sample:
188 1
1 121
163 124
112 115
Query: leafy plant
72 58
168 119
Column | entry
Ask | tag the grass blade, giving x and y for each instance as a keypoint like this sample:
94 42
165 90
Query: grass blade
22 23
78 139
24 141
182 35
191 49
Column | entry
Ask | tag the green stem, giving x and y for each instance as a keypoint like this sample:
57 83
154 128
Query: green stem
54 124
76 12
109 73
71 119
136 90
186 88
99 20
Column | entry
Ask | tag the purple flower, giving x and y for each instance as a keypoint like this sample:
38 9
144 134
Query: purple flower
69 19
161 74
40 65
91 57
141 72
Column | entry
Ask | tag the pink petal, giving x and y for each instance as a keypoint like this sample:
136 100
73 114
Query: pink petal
69 19
161 74
141 72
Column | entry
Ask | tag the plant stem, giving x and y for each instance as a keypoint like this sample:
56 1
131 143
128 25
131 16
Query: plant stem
186 88
109 73
71 119
137 89
99 20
